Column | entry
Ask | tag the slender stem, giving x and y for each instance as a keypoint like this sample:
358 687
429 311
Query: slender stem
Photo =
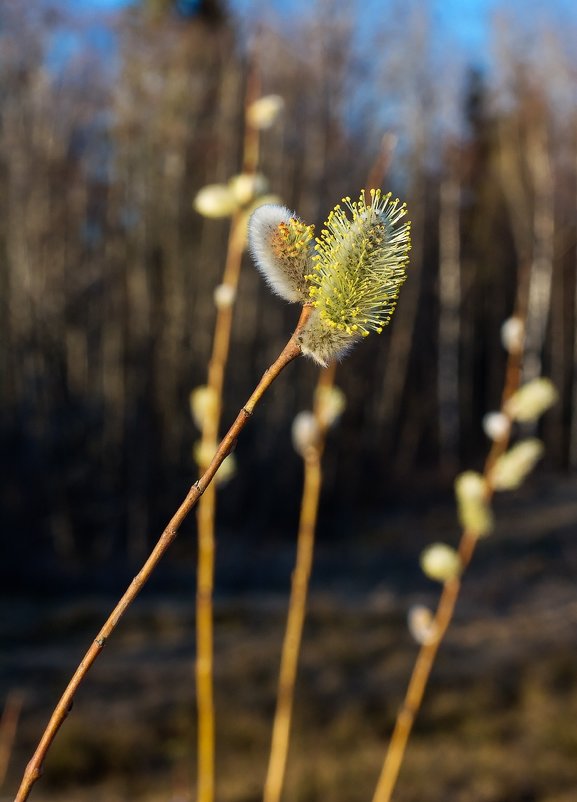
312 485
297 608
417 684
206 527
204 647
293 633
207 505
34 767
442 619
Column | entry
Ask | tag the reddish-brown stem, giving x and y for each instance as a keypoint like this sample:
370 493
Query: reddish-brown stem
34 767
443 616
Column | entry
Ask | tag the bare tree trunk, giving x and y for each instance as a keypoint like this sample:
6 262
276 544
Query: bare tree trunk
573 423
449 316
513 189
540 278
389 395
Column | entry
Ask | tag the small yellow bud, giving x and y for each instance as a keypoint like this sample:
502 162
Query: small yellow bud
440 562
512 467
246 187
224 296
330 404
513 335
202 404
475 515
305 433
470 486
215 200
422 624
203 455
531 400
496 426
226 471
264 111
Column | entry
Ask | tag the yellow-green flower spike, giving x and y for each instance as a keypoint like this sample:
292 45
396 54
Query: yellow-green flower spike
215 200
358 270
475 513
512 468
531 400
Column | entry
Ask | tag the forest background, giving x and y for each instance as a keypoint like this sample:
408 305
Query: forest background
110 126
112 120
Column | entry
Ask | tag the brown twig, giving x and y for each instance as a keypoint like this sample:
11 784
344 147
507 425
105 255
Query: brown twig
207 505
34 767
312 485
444 613
298 601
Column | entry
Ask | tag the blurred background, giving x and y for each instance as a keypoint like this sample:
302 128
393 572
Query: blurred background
113 115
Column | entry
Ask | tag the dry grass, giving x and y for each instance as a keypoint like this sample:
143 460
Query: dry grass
498 722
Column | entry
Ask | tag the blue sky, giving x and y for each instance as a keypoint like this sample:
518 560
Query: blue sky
463 28
465 24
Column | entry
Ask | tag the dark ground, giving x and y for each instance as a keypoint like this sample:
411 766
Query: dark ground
499 723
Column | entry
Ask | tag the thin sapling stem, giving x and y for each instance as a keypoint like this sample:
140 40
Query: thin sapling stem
443 615
34 768
206 513
312 485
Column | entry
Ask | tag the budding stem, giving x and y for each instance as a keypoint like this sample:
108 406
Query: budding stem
442 618
34 768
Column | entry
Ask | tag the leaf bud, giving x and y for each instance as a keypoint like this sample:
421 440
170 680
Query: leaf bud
215 200
422 625
531 400
330 403
513 335
202 404
475 514
262 113
511 468
440 562
305 433
496 426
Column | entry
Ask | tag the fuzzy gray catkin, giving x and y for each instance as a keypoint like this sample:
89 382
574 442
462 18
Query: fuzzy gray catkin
352 276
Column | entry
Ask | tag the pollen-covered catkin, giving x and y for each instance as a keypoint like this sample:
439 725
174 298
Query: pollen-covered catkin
351 277
358 270
280 244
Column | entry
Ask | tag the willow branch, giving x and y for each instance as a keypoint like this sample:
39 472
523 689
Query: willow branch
312 484
441 621
34 767
207 506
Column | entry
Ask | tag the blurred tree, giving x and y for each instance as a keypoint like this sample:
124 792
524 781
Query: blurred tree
210 11
107 274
